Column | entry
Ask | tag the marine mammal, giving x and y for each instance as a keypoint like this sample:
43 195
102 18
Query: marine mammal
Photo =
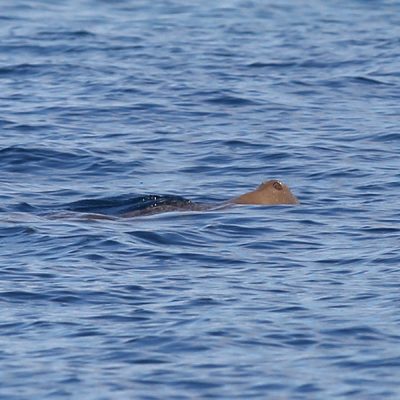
273 192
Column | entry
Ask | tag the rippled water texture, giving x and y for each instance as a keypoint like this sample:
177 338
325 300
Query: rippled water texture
104 102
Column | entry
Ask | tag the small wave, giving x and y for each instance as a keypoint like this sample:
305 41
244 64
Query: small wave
22 296
39 160
389 137
274 65
22 159
78 34
231 100
369 81
22 69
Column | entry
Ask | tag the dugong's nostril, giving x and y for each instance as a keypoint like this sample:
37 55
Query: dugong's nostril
277 185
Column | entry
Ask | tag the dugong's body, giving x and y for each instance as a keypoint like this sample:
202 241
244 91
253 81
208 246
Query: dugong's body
272 192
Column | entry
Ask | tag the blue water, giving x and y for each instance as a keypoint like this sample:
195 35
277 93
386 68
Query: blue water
107 101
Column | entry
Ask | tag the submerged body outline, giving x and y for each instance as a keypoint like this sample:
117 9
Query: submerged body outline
272 192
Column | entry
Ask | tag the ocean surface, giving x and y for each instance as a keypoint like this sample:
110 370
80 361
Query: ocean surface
106 104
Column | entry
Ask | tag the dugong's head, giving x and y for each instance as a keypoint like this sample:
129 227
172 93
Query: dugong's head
270 192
